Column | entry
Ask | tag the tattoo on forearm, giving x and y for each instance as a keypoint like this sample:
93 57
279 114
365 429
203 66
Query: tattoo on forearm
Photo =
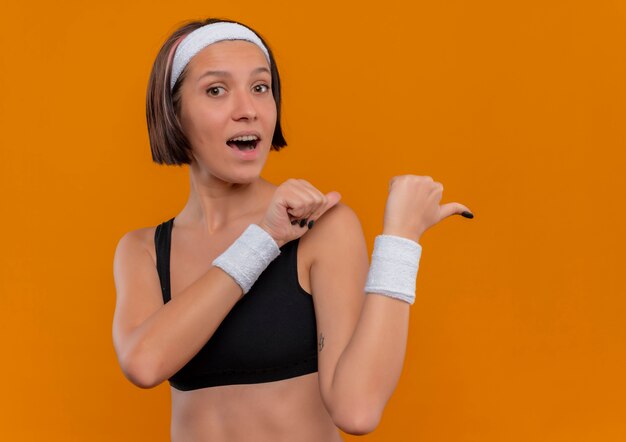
320 344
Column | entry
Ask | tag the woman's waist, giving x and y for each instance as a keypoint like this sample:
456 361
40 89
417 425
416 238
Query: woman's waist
268 411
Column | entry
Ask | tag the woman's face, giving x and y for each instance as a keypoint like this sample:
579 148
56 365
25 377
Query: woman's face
226 94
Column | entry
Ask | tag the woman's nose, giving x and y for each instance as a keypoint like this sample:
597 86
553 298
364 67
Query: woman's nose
244 107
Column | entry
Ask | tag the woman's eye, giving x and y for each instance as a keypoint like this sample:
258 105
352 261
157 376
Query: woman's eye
261 88
214 91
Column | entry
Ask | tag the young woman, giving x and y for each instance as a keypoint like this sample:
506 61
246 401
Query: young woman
259 321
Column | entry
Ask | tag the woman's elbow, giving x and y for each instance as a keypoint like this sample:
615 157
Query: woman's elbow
139 373
357 420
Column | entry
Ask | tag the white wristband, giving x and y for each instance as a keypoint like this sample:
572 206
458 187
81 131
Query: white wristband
248 256
393 271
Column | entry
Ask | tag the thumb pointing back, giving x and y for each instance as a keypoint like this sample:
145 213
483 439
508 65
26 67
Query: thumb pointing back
332 199
449 209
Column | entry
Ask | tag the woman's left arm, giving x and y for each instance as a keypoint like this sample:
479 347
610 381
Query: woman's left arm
361 339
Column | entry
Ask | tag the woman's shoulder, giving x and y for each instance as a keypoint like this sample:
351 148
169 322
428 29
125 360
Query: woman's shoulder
139 240
337 217
340 221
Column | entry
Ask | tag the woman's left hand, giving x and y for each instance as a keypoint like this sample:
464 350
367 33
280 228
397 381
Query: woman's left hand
413 206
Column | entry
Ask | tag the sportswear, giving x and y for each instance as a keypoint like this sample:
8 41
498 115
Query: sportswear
270 333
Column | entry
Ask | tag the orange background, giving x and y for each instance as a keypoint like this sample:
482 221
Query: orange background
517 107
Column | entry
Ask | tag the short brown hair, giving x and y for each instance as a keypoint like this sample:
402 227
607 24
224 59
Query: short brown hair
168 143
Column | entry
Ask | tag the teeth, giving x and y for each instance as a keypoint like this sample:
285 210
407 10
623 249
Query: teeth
245 138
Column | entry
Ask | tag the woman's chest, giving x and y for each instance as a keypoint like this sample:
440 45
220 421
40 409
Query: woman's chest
190 258
268 335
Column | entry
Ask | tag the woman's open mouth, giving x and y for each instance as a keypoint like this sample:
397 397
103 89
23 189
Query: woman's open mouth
244 143
245 146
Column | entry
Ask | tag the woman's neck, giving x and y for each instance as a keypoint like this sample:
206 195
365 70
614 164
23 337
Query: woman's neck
214 204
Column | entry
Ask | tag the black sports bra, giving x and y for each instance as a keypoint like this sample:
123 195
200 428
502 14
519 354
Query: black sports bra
270 334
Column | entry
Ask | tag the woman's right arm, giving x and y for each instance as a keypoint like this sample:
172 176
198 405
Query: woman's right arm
153 340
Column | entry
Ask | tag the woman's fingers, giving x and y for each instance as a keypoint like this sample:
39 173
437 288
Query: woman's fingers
313 203
414 205
330 200
445 210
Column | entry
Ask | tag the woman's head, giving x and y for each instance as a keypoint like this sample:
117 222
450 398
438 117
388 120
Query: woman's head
170 106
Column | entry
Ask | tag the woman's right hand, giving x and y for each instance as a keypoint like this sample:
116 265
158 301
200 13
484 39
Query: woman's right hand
294 205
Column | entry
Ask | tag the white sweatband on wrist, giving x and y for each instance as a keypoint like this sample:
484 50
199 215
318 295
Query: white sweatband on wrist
248 256
393 271
200 38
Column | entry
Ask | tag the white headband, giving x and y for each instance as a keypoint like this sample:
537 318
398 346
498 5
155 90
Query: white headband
206 35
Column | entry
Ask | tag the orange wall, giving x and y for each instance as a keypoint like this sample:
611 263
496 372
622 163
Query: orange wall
517 107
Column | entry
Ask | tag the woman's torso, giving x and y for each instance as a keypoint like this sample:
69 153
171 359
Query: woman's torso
289 409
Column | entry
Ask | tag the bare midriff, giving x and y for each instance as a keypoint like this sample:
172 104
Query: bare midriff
287 410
